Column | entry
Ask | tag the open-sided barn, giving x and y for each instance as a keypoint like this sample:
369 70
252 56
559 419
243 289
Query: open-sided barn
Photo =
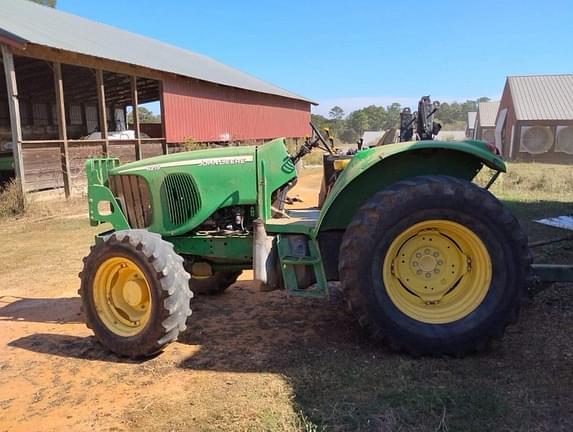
485 121
535 118
65 78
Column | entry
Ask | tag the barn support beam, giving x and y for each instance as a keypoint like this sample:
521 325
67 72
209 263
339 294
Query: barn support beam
102 111
164 147
135 113
62 128
15 121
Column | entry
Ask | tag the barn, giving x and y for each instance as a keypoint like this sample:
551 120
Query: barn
67 84
535 118
471 124
484 128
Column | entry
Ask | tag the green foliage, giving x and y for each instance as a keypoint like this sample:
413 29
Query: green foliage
50 3
372 118
145 116
336 113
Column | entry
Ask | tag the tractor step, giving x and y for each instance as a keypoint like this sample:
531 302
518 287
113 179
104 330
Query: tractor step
296 251
293 260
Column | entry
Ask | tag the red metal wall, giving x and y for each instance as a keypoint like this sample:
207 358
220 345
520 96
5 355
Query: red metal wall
209 112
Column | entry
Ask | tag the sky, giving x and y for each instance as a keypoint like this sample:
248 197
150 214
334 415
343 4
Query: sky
358 53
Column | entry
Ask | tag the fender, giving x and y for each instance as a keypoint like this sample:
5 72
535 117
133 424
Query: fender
375 169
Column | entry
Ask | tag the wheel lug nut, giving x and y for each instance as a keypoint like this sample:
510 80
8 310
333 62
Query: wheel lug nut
419 272
428 275
415 263
436 254
436 271
427 251
440 262
418 255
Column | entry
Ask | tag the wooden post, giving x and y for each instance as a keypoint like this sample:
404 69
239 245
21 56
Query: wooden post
135 103
62 132
102 110
15 122
163 133
84 119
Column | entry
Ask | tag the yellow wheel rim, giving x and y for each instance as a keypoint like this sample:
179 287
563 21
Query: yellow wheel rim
437 271
122 296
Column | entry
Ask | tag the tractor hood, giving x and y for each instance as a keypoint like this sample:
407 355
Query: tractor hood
208 157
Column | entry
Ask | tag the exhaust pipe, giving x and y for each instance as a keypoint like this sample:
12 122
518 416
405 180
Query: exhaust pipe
263 257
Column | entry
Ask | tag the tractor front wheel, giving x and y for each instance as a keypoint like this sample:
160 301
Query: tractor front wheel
135 293
434 265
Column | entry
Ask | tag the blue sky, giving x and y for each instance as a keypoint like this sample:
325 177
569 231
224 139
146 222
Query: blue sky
362 52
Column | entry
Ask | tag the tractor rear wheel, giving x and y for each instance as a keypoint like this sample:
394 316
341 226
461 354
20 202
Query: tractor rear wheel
434 265
135 293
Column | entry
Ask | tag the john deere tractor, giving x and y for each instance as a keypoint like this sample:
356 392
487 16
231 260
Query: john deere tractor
429 262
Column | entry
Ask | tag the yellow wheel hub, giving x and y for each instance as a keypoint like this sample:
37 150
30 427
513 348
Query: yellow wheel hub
437 271
122 296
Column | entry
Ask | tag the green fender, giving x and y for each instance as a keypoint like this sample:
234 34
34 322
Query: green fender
375 169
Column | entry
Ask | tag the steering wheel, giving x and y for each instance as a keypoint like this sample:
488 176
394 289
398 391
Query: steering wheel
321 139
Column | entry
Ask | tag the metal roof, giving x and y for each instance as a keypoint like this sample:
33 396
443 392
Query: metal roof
542 97
27 22
371 137
472 119
487 113
446 135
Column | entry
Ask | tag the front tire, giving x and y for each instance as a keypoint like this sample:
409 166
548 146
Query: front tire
135 293
434 266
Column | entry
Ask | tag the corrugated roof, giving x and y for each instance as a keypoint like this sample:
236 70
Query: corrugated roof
25 21
445 135
371 137
542 97
472 119
487 113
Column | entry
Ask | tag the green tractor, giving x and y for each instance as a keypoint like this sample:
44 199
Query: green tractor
428 262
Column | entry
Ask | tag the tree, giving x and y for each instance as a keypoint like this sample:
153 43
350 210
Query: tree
336 113
145 116
49 3
358 120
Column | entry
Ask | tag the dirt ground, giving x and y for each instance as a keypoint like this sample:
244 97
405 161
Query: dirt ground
256 361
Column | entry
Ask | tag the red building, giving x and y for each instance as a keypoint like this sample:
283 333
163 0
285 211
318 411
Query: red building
67 84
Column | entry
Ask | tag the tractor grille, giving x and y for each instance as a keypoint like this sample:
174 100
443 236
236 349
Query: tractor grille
133 195
180 198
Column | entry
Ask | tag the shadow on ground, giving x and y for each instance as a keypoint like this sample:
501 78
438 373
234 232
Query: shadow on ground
84 348
342 382
44 310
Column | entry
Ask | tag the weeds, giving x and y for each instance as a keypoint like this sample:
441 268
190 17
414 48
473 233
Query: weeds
11 200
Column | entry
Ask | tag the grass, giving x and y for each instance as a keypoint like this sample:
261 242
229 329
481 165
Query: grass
11 200
257 361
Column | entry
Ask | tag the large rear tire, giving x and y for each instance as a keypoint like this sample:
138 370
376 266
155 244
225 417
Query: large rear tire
135 293
434 265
